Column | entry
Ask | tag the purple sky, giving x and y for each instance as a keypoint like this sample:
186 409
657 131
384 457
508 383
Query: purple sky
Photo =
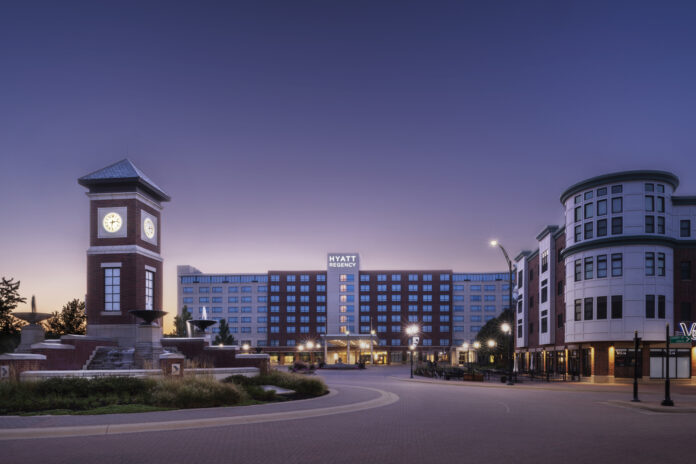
410 132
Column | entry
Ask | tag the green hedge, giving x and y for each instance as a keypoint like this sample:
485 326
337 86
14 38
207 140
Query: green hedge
303 385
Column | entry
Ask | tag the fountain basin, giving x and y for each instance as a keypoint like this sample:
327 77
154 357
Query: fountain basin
148 316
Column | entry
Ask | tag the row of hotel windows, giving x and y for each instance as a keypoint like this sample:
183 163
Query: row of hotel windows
348 308
230 309
245 289
223 279
654 307
112 289
230 299
363 277
616 266
381 342
293 278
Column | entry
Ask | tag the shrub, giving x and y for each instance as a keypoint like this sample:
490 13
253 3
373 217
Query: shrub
194 392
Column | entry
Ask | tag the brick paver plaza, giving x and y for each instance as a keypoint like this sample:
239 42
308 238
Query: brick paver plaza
380 416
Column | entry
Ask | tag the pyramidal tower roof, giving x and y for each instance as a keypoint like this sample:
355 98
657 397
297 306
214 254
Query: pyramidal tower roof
120 174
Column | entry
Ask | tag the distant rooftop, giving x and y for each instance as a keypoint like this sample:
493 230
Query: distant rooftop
121 172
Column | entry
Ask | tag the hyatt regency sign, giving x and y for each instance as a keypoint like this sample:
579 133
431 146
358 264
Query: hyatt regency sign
345 261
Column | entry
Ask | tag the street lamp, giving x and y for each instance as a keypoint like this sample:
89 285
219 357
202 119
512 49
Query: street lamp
495 243
245 347
412 348
411 331
477 345
466 348
506 328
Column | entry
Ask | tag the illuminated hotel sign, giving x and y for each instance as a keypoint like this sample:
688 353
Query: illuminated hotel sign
691 332
346 261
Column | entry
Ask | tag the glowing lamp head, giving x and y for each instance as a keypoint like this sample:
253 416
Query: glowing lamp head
477 345
245 346
412 347
505 327
491 343
465 346
412 329
494 243
300 348
310 345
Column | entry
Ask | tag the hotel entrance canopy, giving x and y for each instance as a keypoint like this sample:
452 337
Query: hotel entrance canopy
349 340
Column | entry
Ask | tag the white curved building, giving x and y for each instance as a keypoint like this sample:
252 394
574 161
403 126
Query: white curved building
625 268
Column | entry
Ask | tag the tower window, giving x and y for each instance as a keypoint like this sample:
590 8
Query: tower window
149 289
112 289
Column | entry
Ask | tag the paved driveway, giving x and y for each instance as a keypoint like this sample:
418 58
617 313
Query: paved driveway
397 421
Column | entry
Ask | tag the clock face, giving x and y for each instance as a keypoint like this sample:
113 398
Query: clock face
149 228
112 222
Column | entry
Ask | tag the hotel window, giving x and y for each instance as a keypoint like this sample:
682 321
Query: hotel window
577 199
290 288
396 288
617 226
617 205
616 306
290 299
685 228
649 187
304 278
601 266
364 277
444 318
578 310
544 291
413 288
589 210
578 270
412 308
661 306
649 224
204 299
685 270
601 307
588 230
305 288
396 328
245 299
290 278
616 188
616 265
544 262
382 288
447 298
661 264
602 208
427 277
520 278
203 289
413 277
660 188
274 288
660 224
589 268
444 328
578 233
275 329
588 195
217 289
321 308
578 214
650 306
544 321
149 289
602 228
381 277
346 277
112 289
188 300
396 297
660 204
649 264
190 289
444 277
649 203
445 288
396 277
413 298
428 297
396 308
396 318
589 309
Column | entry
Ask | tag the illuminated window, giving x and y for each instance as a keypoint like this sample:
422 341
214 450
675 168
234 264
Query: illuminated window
112 289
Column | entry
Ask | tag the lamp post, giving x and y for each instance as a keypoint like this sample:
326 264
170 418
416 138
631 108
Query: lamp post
495 243
466 348
668 399
477 345
506 328
411 331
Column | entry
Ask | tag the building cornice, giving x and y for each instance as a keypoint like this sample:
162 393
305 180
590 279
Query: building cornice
627 241
658 176
123 249
125 196
547 230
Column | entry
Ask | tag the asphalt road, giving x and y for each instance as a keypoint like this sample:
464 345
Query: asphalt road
398 421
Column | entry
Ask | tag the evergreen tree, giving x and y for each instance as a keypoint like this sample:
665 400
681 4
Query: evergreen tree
70 320
180 324
9 299
224 336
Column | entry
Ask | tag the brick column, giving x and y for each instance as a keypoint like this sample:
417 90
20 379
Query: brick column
13 364
172 364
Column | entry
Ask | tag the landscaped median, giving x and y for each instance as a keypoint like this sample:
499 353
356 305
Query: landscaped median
131 394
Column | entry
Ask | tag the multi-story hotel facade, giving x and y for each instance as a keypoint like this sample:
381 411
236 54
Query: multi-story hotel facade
344 312
620 266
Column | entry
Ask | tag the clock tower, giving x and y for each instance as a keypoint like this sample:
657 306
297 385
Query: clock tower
124 264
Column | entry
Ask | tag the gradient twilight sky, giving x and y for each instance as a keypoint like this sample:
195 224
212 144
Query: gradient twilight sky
411 132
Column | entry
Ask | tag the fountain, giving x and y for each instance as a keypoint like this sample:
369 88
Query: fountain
32 332
148 335
201 325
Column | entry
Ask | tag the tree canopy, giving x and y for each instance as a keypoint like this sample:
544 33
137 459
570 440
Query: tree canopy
180 324
9 299
71 319
224 336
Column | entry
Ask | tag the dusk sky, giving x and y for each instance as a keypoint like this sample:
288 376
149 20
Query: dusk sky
410 132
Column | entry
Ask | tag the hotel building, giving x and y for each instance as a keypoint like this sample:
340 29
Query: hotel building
343 309
621 265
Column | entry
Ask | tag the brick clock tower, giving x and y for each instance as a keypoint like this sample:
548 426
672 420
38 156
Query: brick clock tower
124 264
